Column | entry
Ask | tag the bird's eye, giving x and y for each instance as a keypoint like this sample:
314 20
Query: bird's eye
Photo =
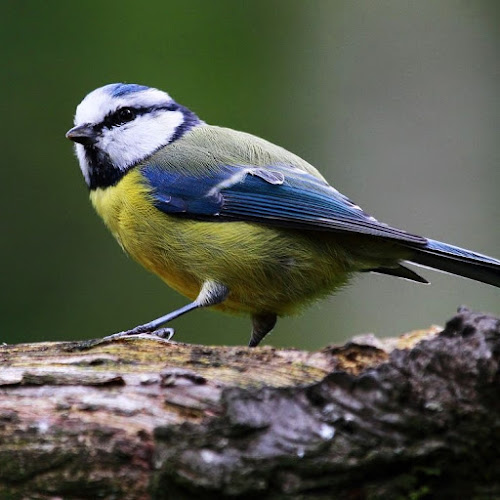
123 115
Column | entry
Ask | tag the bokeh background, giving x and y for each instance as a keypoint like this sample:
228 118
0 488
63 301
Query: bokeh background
396 102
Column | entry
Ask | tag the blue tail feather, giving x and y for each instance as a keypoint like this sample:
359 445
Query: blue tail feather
460 261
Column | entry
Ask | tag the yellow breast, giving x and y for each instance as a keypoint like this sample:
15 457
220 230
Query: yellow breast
146 234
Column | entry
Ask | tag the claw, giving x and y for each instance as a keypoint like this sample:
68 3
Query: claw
161 333
164 333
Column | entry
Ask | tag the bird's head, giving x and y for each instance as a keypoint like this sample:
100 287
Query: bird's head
118 125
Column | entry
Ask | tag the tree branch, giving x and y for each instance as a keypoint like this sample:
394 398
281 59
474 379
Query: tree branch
413 417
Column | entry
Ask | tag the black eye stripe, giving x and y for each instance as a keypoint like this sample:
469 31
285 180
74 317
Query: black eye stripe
112 120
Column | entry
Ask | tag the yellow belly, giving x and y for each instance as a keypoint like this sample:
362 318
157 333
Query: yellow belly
266 269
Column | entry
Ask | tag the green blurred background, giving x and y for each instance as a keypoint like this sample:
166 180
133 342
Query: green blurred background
396 102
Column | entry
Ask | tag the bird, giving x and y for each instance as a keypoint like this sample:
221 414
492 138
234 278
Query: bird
230 220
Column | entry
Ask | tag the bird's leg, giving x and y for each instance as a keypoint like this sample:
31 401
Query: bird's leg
262 325
211 293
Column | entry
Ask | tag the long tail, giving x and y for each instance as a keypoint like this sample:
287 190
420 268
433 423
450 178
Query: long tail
459 261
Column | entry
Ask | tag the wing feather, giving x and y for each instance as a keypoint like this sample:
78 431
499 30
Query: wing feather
277 195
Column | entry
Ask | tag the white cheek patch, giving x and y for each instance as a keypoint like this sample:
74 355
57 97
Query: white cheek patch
131 142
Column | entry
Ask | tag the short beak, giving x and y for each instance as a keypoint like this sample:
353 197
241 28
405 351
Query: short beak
84 134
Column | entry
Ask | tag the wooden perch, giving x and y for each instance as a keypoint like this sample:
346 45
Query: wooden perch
415 417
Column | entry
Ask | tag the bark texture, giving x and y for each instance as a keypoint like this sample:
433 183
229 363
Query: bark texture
415 417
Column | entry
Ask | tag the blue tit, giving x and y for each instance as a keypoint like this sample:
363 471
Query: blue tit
231 220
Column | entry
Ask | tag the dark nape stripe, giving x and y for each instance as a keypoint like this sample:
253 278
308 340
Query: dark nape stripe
190 120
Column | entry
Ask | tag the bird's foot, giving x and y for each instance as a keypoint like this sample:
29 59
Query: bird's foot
143 332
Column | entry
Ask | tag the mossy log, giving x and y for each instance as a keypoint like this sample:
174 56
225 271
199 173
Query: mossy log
414 417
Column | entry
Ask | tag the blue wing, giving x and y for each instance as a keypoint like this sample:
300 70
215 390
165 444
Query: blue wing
275 195
289 197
